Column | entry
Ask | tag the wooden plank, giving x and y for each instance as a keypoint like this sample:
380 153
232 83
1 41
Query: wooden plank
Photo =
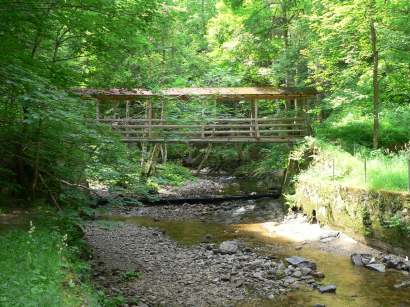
219 120
214 133
204 126
238 93
215 140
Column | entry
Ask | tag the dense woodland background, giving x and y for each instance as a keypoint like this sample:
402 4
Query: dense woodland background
356 53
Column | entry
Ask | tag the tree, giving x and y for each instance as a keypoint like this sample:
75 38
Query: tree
375 56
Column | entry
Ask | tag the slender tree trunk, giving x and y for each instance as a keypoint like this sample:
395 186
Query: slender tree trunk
376 100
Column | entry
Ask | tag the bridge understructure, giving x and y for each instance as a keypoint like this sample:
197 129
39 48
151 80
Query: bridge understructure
271 115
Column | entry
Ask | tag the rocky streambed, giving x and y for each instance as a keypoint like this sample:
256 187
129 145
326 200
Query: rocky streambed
241 253
206 274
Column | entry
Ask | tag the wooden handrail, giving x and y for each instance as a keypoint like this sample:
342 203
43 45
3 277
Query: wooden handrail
136 120
275 129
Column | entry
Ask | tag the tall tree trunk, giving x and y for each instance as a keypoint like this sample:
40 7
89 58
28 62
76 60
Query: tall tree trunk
376 100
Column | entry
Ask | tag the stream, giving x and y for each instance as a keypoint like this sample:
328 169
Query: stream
121 237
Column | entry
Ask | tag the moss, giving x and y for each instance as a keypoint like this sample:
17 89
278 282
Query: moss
373 215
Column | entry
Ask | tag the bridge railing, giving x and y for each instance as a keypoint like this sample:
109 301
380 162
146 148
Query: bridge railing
210 130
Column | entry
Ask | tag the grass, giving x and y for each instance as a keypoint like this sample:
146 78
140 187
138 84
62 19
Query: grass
388 173
40 268
171 174
130 275
383 170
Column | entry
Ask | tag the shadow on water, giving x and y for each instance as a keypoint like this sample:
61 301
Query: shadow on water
187 232
355 286
246 185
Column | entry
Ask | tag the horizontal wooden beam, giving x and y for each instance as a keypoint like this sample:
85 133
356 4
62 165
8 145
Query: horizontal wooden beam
218 120
238 93
234 132
215 140
119 127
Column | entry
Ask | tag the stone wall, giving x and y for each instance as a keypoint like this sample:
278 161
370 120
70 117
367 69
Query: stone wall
379 218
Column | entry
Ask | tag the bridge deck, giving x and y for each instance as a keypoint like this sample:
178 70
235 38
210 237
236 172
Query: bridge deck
276 129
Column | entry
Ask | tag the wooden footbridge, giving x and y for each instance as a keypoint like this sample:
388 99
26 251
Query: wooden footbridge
139 115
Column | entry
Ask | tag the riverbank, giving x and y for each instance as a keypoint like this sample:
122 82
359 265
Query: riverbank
204 274
43 261
173 252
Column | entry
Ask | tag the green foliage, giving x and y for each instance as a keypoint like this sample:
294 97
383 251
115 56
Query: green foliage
399 223
45 129
383 170
274 158
350 123
43 268
130 275
388 172
171 174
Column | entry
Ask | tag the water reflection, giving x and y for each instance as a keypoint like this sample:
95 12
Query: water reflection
355 286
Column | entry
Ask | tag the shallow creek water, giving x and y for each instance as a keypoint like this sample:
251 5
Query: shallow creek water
356 286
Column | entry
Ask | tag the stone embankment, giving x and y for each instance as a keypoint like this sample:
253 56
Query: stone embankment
378 218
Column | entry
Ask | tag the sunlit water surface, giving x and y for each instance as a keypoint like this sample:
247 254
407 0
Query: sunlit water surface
355 286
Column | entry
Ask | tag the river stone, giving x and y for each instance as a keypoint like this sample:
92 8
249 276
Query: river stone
391 259
306 271
295 260
404 284
360 259
378 267
327 289
228 247
301 262
289 280
297 274
356 259
329 234
258 275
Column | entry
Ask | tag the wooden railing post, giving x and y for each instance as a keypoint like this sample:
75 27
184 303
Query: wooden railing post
127 116
149 117
254 120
